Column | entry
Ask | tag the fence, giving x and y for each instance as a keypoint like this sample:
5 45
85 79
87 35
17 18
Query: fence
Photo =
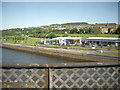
62 76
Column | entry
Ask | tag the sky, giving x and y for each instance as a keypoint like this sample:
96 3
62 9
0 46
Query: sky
32 14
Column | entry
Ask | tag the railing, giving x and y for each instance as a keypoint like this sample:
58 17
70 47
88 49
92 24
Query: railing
83 75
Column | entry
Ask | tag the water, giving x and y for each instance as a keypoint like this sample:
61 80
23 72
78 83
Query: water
10 56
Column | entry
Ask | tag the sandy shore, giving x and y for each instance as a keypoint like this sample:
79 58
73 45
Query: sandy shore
89 55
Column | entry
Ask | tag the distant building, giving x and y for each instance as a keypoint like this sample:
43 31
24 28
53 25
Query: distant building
81 26
64 41
101 41
73 41
107 27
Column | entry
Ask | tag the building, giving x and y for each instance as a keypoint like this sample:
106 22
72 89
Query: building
63 41
107 27
80 26
101 41
76 41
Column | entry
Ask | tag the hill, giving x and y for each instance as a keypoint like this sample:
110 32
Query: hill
74 23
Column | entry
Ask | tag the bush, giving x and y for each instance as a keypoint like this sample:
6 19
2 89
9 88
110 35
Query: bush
65 35
51 35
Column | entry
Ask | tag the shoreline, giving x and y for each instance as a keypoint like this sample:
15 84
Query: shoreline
86 55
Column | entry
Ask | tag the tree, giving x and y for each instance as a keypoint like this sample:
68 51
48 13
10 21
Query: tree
65 35
51 35
96 30
117 30
73 31
87 30
81 31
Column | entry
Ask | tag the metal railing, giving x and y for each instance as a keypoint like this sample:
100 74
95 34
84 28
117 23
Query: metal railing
84 75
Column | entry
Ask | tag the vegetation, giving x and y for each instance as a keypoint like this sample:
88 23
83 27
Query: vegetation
33 41
48 33
96 30
32 34
76 23
20 40
88 35
118 30
51 35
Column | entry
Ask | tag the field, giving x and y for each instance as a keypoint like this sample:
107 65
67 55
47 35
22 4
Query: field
28 41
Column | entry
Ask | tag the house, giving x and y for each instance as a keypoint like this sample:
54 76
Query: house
80 26
107 27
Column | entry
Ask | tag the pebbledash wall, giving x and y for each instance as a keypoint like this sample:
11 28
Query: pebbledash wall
79 75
